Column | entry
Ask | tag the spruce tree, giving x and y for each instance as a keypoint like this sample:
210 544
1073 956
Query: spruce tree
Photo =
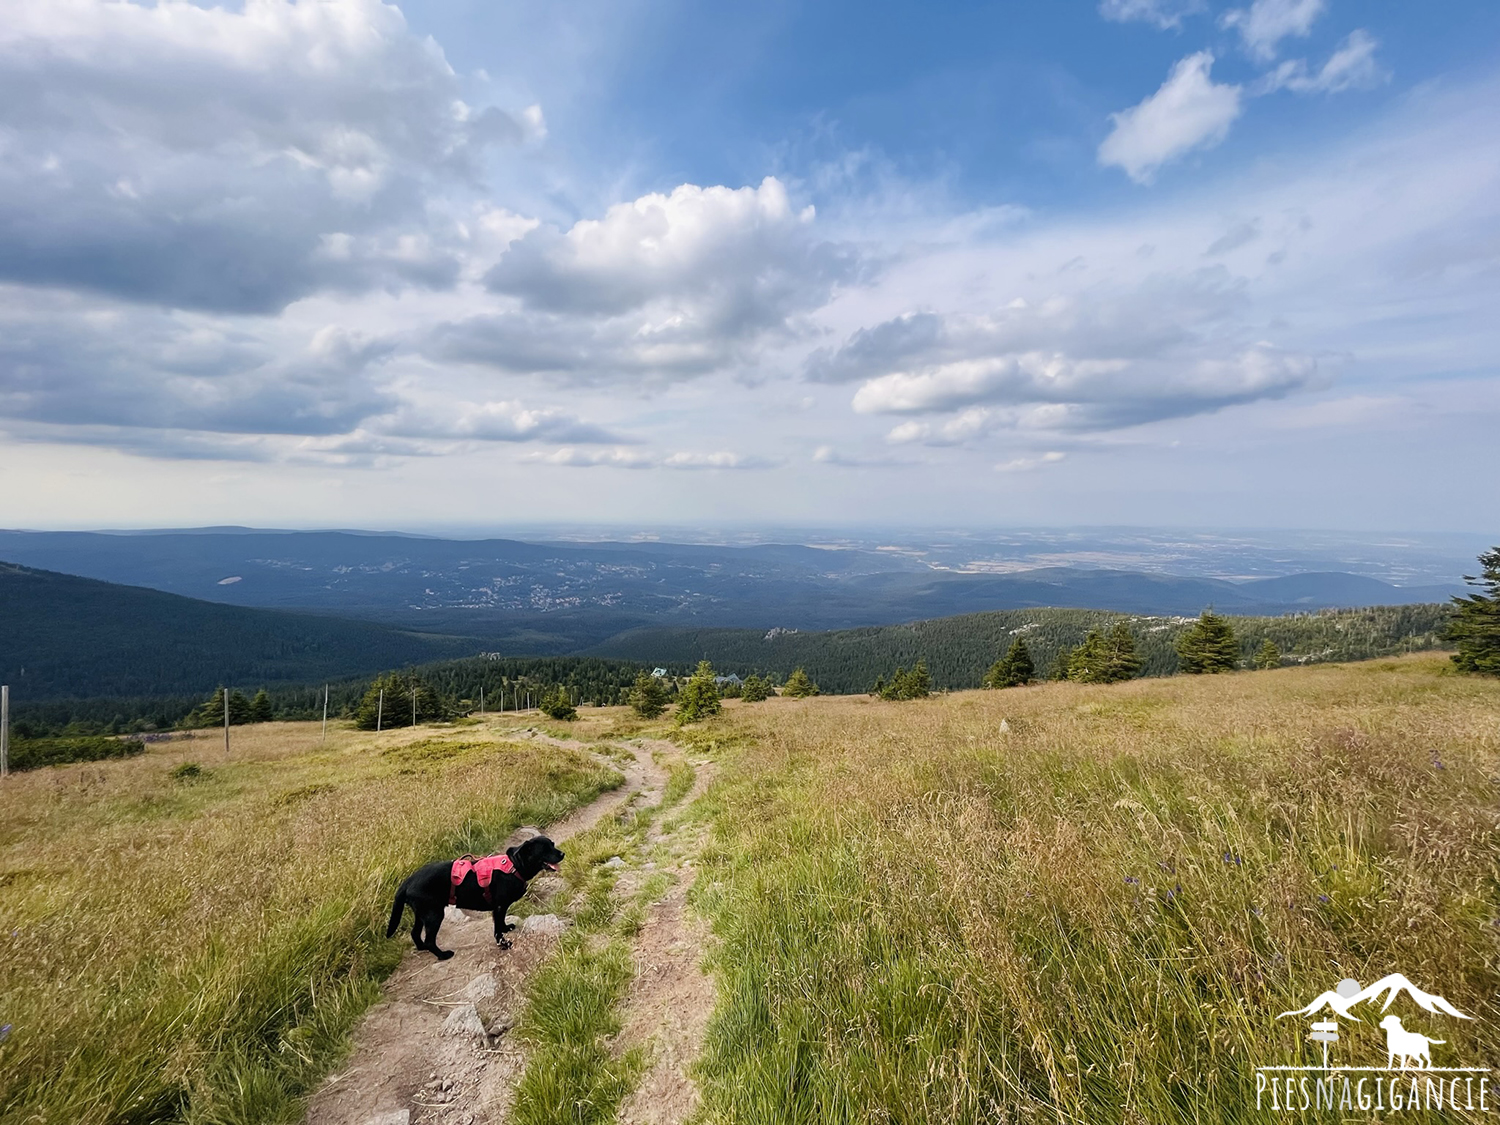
1209 646
1014 669
1089 662
699 697
1121 661
754 689
1268 655
649 697
558 704
396 709
210 713
798 685
1475 627
260 708
916 684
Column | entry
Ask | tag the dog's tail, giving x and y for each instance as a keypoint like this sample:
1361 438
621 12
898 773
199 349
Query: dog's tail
396 908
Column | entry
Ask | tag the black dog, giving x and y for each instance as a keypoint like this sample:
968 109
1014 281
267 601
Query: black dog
427 891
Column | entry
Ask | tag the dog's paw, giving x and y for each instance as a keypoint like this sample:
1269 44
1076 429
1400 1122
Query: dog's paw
502 943
444 954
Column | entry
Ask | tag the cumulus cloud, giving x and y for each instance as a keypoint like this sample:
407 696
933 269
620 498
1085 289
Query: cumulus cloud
230 159
64 360
1121 352
620 458
493 421
1164 14
1026 464
1352 66
1053 391
1265 23
661 288
1190 111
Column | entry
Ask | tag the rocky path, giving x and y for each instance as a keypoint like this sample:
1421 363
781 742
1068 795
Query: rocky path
436 1049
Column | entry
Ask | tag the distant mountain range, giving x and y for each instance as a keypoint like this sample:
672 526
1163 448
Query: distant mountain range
546 598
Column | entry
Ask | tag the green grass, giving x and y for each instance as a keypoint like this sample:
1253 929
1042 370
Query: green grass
577 1074
194 946
1096 915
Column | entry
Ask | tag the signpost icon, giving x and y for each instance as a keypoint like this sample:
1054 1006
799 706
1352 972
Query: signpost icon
1324 1032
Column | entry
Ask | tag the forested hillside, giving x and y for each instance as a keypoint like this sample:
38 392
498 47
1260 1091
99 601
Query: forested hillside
958 650
67 636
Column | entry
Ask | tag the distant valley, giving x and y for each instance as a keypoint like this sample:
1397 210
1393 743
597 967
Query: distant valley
552 598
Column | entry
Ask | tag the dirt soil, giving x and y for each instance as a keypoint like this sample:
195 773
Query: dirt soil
419 1058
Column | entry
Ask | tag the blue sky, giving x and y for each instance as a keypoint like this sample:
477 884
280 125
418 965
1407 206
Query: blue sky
467 263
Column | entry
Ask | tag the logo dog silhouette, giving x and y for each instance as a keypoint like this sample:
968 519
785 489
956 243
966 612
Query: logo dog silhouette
1409 1046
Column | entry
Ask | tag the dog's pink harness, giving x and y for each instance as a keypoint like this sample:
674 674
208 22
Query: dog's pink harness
484 870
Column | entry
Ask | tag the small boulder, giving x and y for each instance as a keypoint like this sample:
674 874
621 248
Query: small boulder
464 1020
390 1117
614 861
544 924
480 988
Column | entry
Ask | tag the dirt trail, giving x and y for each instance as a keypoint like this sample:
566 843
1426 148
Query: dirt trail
406 1068
671 997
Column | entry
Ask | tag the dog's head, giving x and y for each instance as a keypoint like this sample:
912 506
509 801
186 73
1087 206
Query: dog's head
1392 1023
535 855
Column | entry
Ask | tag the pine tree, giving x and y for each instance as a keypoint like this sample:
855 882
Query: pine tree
558 704
1014 669
755 689
396 710
916 684
210 713
649 696
699 697
1089 662
1121 661
260 708
1268 656
919 685
1209 646
1475 626
798 685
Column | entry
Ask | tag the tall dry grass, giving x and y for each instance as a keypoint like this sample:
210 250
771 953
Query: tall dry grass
194 948
1094 912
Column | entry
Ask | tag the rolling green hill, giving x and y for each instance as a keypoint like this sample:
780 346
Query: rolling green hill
959 649
65 636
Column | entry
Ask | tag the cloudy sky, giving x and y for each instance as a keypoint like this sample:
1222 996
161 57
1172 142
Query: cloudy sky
472 263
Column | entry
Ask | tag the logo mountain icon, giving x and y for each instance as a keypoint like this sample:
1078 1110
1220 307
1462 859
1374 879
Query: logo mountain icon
1391 987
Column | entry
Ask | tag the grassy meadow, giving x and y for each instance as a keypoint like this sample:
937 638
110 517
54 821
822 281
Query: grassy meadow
1088 904
185 937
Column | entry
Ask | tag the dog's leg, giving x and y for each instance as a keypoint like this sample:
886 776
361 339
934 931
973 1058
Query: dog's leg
416 929
501 929
431 922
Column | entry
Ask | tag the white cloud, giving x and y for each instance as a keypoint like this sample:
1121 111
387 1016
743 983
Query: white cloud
492 421
634 459
1352 66
231 158
1164 14
1264 24
1026 464
661 288
972 423
594 458
1189 111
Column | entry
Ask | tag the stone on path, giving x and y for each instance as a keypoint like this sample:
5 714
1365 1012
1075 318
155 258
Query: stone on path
480 988
464 1020
391 1117
544 924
